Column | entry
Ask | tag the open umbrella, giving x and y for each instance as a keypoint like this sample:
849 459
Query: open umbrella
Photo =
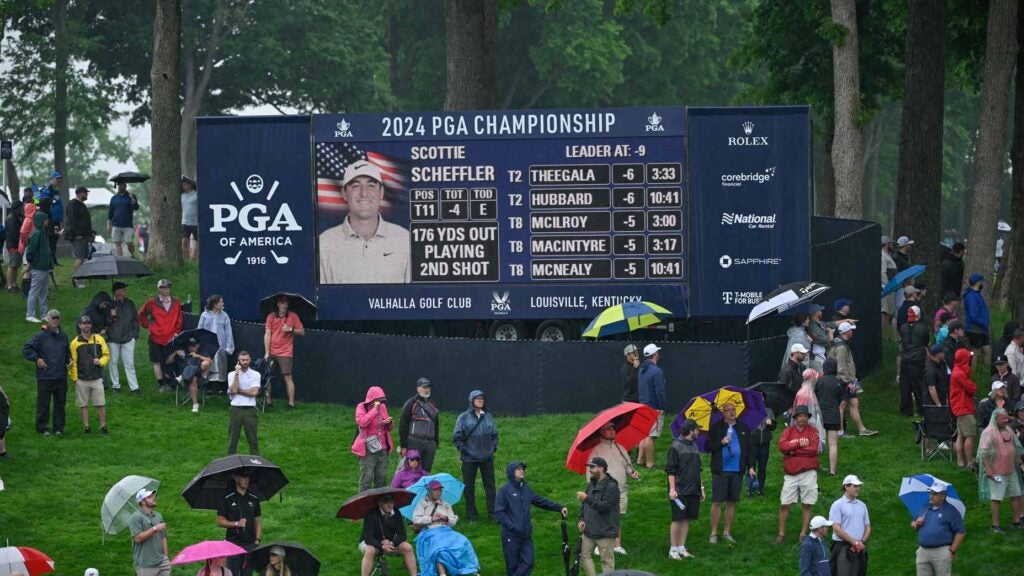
633 422
705 410
359 505
119 503
207 340
208 488
129 177
296 303
785 297
897 281
625 317
207 550
110 266
297 558
451 491
28 561
914 494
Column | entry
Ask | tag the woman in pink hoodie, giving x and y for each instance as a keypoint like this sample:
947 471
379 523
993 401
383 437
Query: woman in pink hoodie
373 440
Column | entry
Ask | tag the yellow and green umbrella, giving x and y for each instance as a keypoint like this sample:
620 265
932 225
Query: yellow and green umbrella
625 317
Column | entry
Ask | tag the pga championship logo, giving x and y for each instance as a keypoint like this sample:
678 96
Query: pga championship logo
253 227
501 304
343 129
654 123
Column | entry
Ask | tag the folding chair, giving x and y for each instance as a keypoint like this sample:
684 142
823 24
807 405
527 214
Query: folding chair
938 426
265 367
380 562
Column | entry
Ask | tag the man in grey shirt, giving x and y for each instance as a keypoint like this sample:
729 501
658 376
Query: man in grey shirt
189 218
365 248
149 537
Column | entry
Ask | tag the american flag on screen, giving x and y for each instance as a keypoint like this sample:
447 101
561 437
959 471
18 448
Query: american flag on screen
333 157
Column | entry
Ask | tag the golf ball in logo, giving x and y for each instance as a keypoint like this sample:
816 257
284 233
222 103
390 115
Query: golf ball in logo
254 184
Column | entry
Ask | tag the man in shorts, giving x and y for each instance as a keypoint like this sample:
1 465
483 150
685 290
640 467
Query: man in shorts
799 447
731 458
162 317
685 488
120 218
78 229
651 390
961 405
189 218
279 343
89 354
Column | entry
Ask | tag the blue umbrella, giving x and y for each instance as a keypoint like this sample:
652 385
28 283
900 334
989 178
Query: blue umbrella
914 494
451 491
897 281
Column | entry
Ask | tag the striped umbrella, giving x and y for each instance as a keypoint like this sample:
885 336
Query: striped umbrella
625 317
28 561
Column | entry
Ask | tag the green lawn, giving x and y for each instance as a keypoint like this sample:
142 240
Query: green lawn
55 486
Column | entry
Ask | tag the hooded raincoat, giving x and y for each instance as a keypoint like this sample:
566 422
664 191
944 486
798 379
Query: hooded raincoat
370 422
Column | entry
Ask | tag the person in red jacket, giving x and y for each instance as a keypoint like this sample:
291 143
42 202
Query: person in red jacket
961 403
799 446
162 317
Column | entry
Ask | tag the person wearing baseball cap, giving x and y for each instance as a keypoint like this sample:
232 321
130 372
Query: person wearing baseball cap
365 248
89 354
913 353
1004 374
841 310
997 398
149 536
851 529
790 375
936 376
813 556
651 391
162 316
50 351
620 467
799 446
976 320
419 424
902 255
629 371
599 517
121 336
847 373
685 487
940 532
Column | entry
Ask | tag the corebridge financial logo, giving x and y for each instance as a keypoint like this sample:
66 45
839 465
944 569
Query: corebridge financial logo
254 228
740 178
751 221
726 261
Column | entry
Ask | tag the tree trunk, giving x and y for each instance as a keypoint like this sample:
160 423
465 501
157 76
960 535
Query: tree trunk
471 38
1016 272
917 212
60 92
165 196
13 182
847 150
1000 61
827 183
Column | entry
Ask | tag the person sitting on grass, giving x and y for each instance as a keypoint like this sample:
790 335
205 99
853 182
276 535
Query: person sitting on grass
441 550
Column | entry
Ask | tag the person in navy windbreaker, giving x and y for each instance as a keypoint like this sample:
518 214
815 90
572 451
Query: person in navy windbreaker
513 510
976 320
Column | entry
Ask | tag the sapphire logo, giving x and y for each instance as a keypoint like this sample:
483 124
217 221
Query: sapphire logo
740 178
344 129
748 138
654 123
726 261
751 221
501 304
253 223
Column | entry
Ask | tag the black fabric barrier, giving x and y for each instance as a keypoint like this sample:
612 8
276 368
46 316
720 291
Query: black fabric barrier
530 377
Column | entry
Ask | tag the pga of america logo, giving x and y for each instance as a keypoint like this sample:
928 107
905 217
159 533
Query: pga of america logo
501 304
741 298
748 138
344 129
253 224
654 123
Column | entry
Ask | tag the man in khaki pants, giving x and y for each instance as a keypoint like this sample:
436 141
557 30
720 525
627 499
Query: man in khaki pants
599 517
940 533
89 354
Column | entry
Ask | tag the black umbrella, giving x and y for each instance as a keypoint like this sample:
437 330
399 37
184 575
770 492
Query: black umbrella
297 558
566 552
130 177
776 396
356 507
211 484
785 297
208 344
110 266
296 303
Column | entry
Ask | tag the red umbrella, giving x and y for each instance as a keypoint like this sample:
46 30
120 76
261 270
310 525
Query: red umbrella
357 506
632 421
28 561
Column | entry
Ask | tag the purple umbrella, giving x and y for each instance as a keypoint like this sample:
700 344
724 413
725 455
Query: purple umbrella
705 410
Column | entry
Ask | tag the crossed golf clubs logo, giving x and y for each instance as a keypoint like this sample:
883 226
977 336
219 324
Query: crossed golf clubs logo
254 185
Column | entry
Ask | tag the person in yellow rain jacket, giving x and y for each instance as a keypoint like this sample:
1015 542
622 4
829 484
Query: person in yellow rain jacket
89 354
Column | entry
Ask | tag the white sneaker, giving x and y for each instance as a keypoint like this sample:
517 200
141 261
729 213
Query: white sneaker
674 554
195 407
32 319
597 552
620 550
685 553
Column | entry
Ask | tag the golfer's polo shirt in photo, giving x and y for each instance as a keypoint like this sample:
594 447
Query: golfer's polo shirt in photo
348 258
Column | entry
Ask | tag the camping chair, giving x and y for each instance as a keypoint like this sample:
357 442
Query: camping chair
265 367
181 393
937 425
380 562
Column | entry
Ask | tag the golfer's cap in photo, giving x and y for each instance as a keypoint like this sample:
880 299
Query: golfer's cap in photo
975 278
55 174
278 551
1002 359
53 313
820 522
142 494
840 302
798 347
998 385
846 327
886 240
651 349
91 572
117 286
936 349
360 168
629 349
599 462
812 308
938 487
910 290
903 241
689 425
434 485
84 320
801 409
852 479
423 382
163 283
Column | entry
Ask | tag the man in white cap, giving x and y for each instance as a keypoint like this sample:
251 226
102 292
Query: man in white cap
847 373
940 533
149 537
364 248
790 375
88 572
888 272
651 390
851 530
902 255
813 559
629 371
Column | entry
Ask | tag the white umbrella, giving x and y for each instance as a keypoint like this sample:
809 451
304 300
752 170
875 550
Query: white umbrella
119 503
914 493
786 297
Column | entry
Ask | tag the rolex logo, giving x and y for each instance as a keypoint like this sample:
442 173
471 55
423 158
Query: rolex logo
748 127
